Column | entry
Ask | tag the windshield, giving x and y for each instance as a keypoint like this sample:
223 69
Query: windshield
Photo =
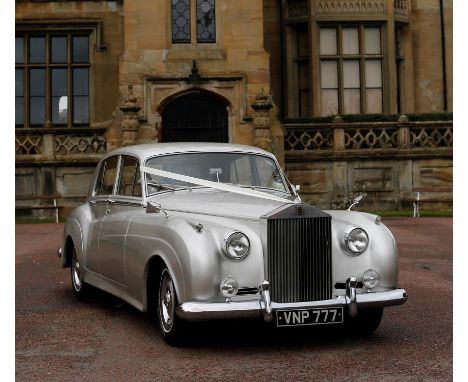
247 170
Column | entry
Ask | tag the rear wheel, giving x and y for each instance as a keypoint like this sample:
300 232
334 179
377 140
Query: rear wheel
170 324
80 288
366 322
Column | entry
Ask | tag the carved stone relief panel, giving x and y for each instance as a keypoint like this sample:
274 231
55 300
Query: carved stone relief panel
432 175
73 181
325 7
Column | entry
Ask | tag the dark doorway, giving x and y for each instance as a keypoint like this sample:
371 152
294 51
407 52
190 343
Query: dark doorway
197 116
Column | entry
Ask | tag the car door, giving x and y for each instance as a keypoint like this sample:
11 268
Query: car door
98 202
123 205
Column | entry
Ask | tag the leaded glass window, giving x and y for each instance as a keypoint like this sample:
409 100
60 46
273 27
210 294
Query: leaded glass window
52 79
181 21
351 69
206 26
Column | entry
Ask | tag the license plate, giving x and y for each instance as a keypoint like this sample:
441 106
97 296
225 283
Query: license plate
317 316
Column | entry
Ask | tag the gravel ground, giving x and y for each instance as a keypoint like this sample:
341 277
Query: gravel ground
105 339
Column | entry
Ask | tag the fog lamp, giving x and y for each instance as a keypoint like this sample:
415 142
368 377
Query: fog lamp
370 278
229 287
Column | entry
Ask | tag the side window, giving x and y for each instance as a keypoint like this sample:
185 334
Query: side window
268 174
105 183
130 180
98 185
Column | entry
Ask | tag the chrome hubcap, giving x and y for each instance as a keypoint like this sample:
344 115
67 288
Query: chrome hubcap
76 274
166 301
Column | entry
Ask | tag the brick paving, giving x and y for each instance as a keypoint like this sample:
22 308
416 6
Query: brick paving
60 339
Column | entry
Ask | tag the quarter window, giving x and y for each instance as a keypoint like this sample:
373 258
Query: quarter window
106 178
52 80
130 180
351 61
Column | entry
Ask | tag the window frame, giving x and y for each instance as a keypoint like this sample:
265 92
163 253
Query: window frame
193 31
101 174
48 66
120 173
361 57
302 61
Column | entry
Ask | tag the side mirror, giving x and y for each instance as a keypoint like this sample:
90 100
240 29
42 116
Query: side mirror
297 187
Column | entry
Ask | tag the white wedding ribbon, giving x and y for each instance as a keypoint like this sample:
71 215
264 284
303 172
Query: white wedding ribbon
218 186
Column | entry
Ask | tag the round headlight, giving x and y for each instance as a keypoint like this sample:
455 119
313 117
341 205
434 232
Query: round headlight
229 287
237 246
356 241
370 278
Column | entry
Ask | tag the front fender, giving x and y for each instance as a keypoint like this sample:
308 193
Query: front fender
193 257
77 229
72 236
381 254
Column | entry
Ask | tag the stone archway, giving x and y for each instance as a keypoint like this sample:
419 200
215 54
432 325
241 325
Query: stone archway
196 115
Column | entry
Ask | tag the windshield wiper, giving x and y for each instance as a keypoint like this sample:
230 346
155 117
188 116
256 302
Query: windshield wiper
162 186
263 188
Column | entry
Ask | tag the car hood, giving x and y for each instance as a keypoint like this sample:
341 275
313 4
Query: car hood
215 202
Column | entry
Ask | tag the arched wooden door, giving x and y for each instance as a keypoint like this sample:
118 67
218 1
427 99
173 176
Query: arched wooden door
197 116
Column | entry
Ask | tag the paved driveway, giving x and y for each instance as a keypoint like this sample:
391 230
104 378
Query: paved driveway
58 338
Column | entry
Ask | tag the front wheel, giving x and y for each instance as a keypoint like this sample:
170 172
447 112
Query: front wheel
80 289
366 322
171 326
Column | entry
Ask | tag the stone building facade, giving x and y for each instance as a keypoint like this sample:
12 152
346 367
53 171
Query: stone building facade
92 76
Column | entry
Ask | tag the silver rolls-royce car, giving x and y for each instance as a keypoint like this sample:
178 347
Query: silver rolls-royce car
199 231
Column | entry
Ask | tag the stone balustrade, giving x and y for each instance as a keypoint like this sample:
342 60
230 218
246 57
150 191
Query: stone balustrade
390 161
33 145
324 138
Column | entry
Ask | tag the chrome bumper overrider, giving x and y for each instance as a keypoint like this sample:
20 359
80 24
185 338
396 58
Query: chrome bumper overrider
264 307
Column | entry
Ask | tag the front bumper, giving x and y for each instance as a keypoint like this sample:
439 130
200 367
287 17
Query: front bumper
265 308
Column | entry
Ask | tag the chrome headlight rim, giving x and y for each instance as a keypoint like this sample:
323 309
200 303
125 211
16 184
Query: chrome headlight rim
227 240
348 237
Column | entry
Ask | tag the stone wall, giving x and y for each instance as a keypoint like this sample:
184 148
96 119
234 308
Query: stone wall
236 67
427 51
390 162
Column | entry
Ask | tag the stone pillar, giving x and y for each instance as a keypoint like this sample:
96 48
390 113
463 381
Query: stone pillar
404 137
340 168
130 123
48 140
262 122
405 167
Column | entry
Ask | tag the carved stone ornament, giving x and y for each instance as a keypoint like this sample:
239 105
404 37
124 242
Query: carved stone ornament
130 122
262 121
351 7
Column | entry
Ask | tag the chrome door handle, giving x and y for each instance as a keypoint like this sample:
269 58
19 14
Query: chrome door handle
111 201
92 202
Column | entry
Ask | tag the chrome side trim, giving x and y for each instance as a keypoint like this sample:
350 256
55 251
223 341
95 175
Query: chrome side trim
193 311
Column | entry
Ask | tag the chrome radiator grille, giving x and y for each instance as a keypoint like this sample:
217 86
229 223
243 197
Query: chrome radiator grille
299 255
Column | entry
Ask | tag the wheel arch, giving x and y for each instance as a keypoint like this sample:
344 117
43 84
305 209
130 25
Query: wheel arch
68 251
154 266
73 239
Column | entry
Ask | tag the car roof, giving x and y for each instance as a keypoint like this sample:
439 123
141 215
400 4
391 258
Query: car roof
145 151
